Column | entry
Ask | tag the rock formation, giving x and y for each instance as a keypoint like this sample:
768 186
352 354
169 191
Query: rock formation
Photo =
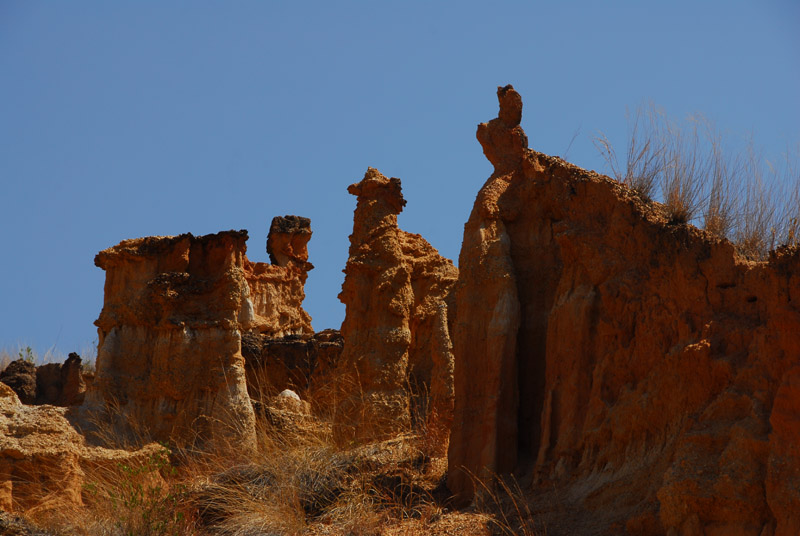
277 289
396 361
61 384
293 362
171 327
43 458
20 376
639 373
53 383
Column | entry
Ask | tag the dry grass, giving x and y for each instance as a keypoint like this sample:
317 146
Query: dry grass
502 498
645 156
733 192
300 481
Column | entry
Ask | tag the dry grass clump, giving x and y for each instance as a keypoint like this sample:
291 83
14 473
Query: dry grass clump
504 500
733 192
645 156
300 481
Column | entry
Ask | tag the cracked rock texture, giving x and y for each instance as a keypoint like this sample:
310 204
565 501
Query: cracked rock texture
639 374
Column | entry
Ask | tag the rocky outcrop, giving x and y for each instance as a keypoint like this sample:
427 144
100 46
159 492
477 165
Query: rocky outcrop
396 362
61 384
44 460
277 289
53 383
20 376
293 362
639 367
170 332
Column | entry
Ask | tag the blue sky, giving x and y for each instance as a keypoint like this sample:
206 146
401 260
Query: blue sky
128 119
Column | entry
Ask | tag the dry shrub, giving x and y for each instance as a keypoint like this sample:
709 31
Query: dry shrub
303 480
141 497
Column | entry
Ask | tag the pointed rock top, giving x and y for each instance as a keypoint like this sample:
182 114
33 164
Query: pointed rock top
377 186
510 105
503 140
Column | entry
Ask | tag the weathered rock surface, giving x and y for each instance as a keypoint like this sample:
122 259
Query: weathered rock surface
642 369
277 289
170 332
20 375
292 362
397 360
53 383
61 384
43 458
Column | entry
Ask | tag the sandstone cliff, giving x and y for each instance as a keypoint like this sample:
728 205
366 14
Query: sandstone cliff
396 362
639 374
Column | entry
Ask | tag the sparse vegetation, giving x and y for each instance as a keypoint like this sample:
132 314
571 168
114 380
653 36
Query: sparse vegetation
733 192
300 481
509 509
141 499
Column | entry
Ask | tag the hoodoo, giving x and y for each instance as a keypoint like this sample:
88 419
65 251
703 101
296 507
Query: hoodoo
396 364
170 332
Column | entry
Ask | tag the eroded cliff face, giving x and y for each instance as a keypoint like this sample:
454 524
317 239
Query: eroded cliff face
170 332
641 369
396 363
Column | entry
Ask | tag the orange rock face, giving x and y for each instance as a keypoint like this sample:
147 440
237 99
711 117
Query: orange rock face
277 289
396 362
640 368
171 327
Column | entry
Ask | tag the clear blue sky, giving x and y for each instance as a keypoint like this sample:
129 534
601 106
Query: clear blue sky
128 119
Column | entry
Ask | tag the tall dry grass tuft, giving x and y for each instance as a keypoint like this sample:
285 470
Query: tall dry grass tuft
644 158
504 501
737 193
755 233
719 216
683 172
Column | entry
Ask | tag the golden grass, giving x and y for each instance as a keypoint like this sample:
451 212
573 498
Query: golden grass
300 481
